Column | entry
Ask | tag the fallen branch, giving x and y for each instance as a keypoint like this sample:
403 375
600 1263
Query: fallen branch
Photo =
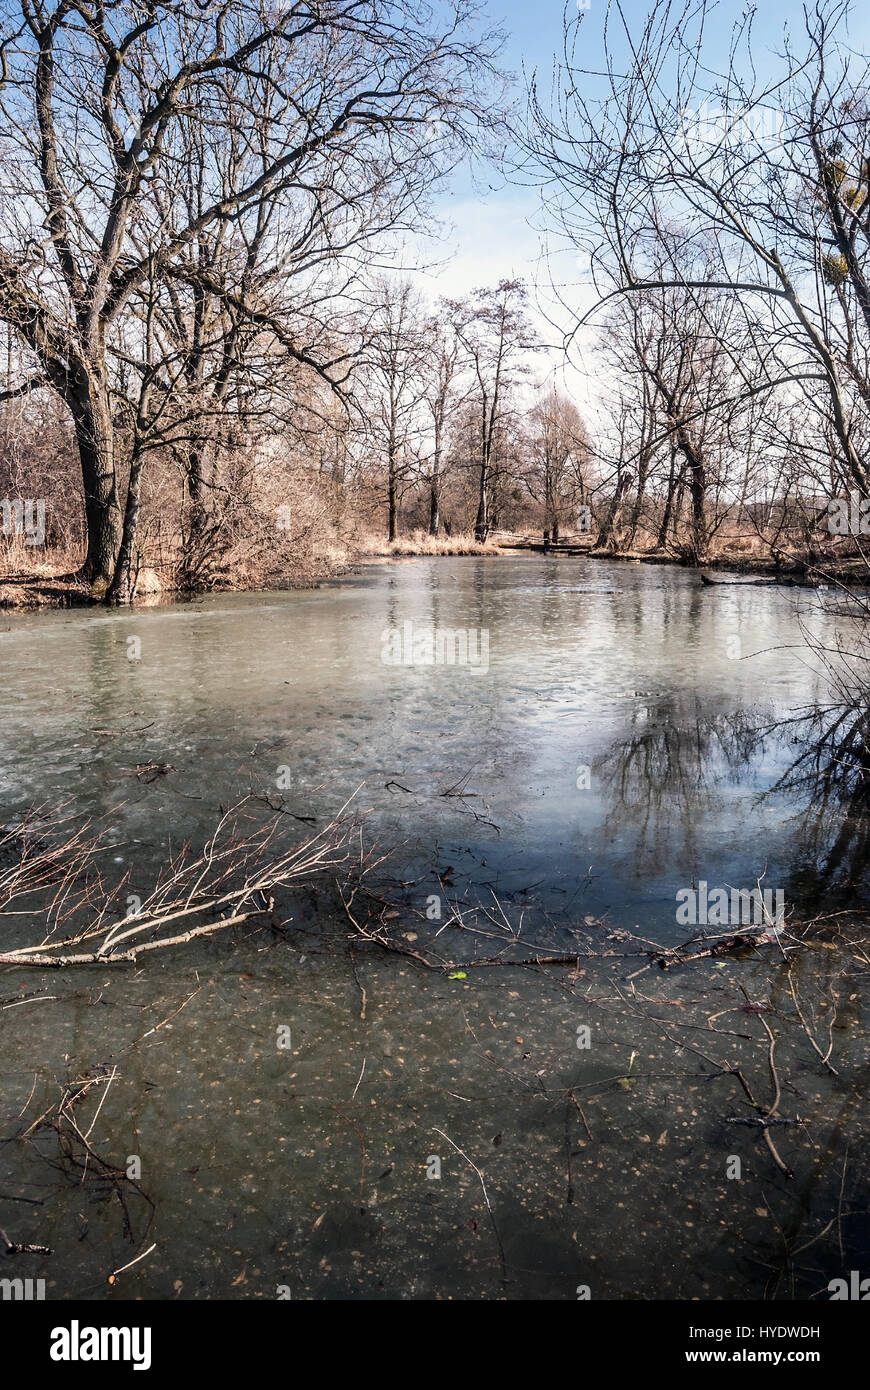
721 946
230 881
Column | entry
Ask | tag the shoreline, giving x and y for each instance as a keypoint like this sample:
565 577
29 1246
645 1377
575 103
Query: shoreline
31 592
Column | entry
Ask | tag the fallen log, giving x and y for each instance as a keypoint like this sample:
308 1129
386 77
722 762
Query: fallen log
736 583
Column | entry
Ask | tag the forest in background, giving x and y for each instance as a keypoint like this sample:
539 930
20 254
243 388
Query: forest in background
216 373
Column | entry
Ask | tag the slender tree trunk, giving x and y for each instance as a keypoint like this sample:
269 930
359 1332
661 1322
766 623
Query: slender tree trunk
552 505
481 524
196 487
698 489
121 587
551 525
640 492
434 503
698 495
607 533
191 566
662 540
392 493
435 487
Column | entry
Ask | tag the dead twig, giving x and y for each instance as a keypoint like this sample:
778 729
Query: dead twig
473 1165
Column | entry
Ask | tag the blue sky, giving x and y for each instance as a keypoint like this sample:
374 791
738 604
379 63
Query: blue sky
493 234
494 225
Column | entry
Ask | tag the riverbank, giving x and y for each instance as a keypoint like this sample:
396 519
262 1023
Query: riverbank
39 588
806 570
42 590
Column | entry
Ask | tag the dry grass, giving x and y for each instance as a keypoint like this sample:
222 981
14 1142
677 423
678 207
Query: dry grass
19 560
419 543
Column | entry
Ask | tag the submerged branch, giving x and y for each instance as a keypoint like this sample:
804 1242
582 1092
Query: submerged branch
231 880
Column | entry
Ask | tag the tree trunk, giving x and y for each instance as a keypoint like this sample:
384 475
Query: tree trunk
392 495
192 562
698 489
662 539
121 587
640 491
196 488
611 520
435 487
92 418
434 507
481 524
698 494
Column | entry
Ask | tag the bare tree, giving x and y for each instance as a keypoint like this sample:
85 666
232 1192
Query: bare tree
766 180
497 337
558 455
394 361
332 106
442 399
